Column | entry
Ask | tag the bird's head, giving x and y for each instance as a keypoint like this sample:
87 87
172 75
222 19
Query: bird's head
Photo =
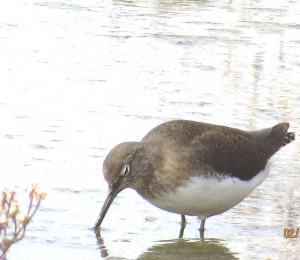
119 172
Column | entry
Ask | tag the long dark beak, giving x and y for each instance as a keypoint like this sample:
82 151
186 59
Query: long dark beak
112 193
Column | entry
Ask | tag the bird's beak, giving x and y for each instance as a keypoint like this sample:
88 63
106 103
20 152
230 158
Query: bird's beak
112 193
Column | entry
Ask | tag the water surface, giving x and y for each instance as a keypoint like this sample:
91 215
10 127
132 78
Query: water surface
78 77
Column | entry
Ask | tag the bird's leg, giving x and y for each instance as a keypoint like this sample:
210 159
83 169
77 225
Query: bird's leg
183 224
201 229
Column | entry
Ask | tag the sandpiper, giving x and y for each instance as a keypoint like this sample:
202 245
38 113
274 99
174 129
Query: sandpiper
193 168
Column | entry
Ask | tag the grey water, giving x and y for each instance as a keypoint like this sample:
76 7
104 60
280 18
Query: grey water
79 77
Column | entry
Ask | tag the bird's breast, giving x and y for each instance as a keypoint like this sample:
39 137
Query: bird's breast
203 196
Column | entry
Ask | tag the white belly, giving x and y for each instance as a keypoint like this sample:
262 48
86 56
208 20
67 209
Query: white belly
205 197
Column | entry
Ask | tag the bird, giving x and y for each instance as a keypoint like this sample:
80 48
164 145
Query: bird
193 168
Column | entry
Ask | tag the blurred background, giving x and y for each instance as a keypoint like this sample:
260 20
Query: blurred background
79 77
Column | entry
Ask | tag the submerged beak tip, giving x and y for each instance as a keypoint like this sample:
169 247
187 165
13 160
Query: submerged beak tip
97 224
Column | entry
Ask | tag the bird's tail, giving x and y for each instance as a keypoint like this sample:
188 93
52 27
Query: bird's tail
275 137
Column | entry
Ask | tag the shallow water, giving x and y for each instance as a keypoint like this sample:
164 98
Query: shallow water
79 77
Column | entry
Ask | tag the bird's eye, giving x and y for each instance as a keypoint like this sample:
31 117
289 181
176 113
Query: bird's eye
125 170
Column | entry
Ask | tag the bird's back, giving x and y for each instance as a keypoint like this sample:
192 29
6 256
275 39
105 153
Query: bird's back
217 148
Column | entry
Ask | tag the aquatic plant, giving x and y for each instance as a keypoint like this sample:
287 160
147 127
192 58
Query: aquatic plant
13 223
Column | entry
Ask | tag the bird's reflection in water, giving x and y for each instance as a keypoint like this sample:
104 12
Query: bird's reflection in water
187 249
100 242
